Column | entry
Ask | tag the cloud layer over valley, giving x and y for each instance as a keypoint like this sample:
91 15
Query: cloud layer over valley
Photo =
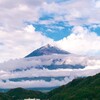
32 73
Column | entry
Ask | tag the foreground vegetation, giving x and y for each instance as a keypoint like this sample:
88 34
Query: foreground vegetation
79 89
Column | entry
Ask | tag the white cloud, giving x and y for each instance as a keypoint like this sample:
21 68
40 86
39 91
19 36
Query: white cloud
81 41
27 66
75 12
97 3
14 14
31 84
69 76
94 26
20 42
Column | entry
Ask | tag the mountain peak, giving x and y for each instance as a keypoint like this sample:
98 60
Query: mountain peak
48 45
47 50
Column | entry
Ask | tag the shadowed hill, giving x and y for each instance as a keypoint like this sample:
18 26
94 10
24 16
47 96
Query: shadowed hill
20 94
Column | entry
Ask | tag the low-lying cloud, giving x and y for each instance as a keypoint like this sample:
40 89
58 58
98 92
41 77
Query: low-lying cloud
69 76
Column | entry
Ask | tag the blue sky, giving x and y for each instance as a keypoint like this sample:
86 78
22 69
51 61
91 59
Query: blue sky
59 30
72 25
55 31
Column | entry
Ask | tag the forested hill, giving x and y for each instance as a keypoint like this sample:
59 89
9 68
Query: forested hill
79 89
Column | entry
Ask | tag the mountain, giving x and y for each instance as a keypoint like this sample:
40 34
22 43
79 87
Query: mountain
79 89
52 68
47 50
86 88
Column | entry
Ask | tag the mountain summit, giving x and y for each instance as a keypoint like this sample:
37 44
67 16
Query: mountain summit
47 50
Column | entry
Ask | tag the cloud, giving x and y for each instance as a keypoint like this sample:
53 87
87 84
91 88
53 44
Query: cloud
29 72
15 13
31 84
97 4
81 41
28 66
69 11
18 43
69 76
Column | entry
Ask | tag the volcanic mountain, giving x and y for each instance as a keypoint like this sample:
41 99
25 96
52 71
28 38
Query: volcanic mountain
47 50
46 68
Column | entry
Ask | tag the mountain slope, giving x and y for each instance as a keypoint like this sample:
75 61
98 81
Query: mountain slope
79 89
47 50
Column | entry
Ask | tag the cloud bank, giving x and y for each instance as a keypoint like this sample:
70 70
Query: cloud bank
69 76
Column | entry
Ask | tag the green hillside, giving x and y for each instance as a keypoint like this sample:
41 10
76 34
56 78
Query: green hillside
79 89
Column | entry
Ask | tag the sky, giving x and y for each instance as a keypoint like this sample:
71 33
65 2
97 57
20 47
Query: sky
72 25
